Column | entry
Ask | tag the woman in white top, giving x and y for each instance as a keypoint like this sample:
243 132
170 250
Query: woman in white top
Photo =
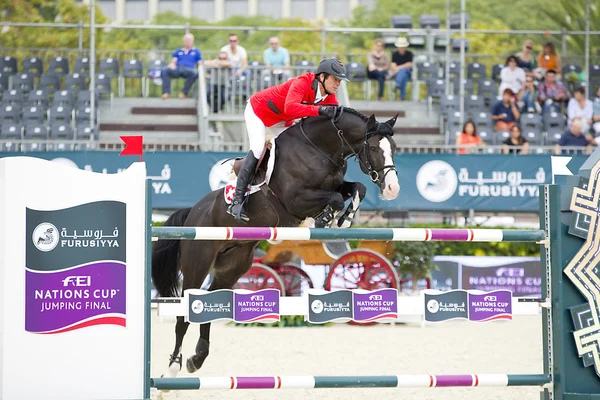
512 77
580 107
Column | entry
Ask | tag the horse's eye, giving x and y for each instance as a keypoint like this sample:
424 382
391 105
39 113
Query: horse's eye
374 148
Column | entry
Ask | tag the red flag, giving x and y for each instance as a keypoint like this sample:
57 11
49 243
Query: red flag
133 146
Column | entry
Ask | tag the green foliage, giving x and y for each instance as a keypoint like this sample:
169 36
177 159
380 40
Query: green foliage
415 258
571 15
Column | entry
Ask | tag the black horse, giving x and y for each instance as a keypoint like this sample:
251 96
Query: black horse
307 181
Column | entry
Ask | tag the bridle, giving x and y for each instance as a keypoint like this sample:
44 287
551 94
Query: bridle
373 173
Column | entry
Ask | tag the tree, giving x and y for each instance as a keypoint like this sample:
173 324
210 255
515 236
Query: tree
571 15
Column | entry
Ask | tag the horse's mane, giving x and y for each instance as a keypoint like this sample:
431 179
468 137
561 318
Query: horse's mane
357 113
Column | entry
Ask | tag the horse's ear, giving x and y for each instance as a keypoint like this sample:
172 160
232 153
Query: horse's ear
392 121
371 123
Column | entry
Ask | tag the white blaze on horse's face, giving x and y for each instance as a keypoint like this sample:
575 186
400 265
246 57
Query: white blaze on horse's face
391 184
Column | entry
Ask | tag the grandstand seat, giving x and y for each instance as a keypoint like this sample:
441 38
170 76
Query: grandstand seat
476 71
8 64
4 81
61 114
496 69
303 66
532 135
454 70
34 113
84 131
61 130
356 71
102 85
64 97
13 97
109 67
448 104
82 66
531 121
58 66
10 112
568 68
75 82
132 69
85 98
40 97
50 82
435 90
84 113
36 130
456 44
427 71
488 90
23 82
153 64
485 126
553 134
467 83
554 120
474 104
501 136
453 127
11 130
33 66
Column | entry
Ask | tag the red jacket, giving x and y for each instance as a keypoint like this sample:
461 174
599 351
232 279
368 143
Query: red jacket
289 101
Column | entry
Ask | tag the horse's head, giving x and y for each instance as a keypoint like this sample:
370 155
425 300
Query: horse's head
377 156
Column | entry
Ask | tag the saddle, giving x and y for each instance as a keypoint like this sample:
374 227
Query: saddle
261 168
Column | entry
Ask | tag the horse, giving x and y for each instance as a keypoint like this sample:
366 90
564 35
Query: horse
306 184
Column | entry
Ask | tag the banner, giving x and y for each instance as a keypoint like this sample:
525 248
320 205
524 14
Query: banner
520 275
428 182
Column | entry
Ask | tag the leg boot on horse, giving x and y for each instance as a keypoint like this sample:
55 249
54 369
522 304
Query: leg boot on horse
245 176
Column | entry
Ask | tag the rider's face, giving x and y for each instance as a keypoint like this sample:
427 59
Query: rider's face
332 84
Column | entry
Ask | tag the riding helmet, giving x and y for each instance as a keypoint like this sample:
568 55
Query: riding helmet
332 66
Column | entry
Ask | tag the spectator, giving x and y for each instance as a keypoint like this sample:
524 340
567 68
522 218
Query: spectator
277 59
468 139
512 76
220 78
581 107
402 66
552 94
505 111
527 96
574 137
525 58
183 65
596 116
378 66
236 55
547 60
515 143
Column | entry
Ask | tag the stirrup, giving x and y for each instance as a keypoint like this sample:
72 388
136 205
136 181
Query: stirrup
241 215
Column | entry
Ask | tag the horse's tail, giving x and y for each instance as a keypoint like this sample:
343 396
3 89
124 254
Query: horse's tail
165 265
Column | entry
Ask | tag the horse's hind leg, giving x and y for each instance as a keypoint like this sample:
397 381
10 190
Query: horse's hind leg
229 267
196 259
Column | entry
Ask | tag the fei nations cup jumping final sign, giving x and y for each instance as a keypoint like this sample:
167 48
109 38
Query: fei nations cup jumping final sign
71 273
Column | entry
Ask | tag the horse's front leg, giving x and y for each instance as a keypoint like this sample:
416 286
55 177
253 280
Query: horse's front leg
357 192
324 203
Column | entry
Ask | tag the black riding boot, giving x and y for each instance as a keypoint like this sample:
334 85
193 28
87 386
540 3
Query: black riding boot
245 176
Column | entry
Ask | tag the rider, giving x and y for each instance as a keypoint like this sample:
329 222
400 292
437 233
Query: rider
276 108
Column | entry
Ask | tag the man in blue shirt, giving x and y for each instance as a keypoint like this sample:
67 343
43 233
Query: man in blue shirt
182 65
277 60
574 138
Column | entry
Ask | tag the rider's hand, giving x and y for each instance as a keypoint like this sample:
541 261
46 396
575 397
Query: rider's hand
328 111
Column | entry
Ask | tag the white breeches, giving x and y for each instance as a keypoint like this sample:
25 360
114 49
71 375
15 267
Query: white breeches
257 131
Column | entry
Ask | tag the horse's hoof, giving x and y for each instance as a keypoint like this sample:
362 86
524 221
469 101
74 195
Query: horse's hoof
193 364
175 365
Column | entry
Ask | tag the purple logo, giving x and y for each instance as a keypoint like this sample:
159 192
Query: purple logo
376 305
490 306
262 305
66 300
